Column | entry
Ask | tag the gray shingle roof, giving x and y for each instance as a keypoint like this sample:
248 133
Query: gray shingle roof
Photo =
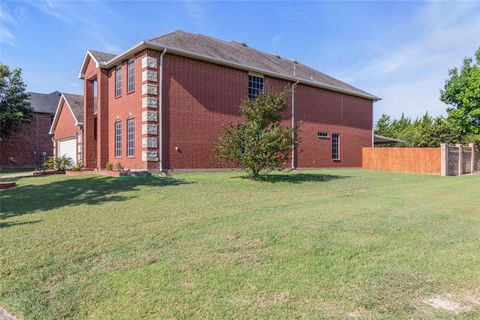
102 57
239 53
44 102
75 102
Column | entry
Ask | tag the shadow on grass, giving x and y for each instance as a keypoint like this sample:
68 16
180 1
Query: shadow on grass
295 177
92 190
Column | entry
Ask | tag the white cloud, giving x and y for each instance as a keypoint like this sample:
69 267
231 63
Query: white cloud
275 42
409 74
6 20
195 11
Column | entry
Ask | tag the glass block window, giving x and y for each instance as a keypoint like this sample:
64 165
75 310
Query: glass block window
118 81
335 146
131 137
255 85
131 75
118 139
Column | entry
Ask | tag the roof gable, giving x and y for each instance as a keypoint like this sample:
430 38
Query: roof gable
74 102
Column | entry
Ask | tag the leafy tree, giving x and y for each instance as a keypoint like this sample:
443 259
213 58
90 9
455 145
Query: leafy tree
462 93
260 142
14 103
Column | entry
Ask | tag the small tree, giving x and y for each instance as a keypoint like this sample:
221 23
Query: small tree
14 103
260 142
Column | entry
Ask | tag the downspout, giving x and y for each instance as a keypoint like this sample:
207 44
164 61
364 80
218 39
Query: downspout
293 124
160 117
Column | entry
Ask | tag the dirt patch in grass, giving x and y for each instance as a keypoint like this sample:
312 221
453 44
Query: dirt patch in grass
451 303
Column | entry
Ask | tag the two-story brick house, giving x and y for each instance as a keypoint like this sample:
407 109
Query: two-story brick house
161 104
31 143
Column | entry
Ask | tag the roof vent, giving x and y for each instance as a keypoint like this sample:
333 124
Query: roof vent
243 44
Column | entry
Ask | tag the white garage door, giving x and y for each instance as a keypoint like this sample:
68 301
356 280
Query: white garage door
68 148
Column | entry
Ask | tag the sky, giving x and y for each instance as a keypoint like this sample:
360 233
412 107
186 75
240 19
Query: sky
399 51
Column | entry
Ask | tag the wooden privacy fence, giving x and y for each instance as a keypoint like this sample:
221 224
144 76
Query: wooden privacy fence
445 161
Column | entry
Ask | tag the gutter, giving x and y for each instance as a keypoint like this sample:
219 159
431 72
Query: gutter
154 45
293 123
160 113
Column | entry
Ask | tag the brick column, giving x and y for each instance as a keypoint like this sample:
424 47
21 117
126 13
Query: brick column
150 112
102 119
88 125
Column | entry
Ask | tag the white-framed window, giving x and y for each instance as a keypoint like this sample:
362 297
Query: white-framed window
118 81
335 146
118 139
255 85
52 117
131 137
131 75
322 135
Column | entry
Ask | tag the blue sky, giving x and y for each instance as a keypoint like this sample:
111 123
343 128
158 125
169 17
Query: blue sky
400 51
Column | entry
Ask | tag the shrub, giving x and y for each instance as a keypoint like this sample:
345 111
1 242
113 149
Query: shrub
118 167
60 163
109 166
78 166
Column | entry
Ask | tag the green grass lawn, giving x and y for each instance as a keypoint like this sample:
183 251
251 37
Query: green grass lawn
308 245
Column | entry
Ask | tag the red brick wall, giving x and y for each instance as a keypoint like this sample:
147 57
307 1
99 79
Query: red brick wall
24 147
127 106
201 97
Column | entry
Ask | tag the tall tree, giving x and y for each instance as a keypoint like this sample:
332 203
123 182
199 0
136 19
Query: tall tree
260 142
462 93
14 101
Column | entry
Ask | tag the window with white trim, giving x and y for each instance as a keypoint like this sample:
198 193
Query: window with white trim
255 85
52 117
322 135
131 75
131 137
335 146
118 81
118 139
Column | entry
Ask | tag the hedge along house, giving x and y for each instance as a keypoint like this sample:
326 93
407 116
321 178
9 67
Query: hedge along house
162 104
67 127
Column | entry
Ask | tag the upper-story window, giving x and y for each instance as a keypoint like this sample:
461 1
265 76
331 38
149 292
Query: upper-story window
52 117
255 85
118 81
131 75
335 146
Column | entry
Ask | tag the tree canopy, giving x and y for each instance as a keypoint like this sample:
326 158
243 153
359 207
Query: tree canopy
14 101
462 124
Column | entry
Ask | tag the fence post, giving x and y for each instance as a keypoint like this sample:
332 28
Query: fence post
472 162
443 160
460 159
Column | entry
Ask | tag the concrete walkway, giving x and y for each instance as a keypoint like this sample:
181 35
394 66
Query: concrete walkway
4 315
16 175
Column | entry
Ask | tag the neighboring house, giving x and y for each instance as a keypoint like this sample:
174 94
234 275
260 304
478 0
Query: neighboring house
31 143
162 104
67 127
